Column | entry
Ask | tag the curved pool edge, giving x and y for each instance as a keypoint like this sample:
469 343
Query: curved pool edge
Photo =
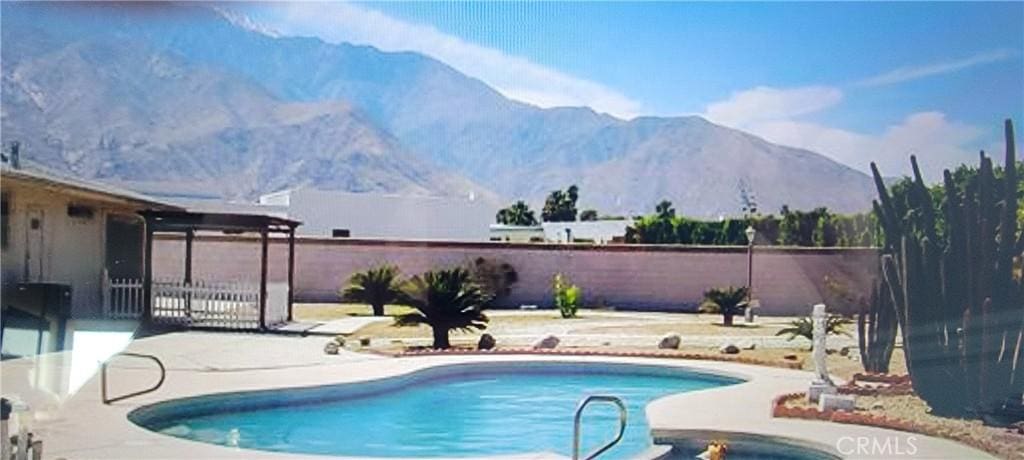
106 431
151 416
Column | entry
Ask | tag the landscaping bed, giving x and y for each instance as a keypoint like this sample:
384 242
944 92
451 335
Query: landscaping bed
891 403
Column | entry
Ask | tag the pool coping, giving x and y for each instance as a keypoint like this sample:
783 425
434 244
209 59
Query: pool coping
86 428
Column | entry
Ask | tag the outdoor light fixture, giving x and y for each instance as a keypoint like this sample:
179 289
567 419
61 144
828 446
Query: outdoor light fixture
749 312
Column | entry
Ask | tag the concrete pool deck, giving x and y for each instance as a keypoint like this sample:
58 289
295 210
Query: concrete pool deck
81 426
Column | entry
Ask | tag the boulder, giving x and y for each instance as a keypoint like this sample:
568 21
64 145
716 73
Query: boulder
340 340
486 342
670 342
364 341
729 349
331 348
546 343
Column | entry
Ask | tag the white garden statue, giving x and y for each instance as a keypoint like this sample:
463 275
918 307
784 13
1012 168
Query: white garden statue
822 382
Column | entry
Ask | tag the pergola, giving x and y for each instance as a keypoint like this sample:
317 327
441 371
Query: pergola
188 223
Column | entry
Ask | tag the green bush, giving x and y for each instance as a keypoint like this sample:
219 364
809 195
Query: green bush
568 296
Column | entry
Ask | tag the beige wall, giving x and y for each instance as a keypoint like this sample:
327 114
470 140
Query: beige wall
786 280
73 248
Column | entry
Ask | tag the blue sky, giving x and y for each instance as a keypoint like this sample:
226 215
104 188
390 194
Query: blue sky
855 81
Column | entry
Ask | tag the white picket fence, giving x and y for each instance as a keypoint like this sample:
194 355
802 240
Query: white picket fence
219 304
227 305
123 298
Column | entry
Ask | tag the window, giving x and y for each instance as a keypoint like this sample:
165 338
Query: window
80 212
340 233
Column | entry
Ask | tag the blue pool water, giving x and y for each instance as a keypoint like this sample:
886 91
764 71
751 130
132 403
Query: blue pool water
450 411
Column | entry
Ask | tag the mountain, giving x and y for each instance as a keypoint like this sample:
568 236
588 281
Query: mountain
122 110
409 105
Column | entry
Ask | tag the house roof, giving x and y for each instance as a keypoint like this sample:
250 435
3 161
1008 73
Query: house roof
164 215
93 189
182 221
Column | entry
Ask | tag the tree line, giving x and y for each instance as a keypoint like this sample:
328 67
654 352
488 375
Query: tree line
815 228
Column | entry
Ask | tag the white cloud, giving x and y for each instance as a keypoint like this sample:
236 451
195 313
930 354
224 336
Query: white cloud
513 76
775 114
938 142
908 73
765 103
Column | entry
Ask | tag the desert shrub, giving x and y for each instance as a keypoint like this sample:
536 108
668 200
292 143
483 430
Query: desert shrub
494 277
568 296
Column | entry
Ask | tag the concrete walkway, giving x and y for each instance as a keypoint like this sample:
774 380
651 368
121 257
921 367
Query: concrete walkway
348 325
78 426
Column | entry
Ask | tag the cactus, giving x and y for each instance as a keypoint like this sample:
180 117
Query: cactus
876 330
952 284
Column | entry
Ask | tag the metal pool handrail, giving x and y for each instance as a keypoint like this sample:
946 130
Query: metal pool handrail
103 378
579 418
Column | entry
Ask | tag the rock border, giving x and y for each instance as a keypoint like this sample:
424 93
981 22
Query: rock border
797 365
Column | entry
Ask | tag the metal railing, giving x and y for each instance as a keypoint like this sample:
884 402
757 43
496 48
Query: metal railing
576 430
103 378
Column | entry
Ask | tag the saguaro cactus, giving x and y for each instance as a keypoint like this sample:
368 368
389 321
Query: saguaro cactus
876 330
959 305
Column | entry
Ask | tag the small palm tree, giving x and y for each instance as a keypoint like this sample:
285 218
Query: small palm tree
729 301
804 327
444 300
376 286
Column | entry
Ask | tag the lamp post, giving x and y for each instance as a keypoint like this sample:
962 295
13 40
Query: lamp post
749 312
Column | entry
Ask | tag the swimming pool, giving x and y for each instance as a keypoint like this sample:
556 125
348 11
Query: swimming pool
481 409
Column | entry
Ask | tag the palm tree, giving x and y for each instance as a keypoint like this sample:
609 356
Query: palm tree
376 286
444 300
729 301
664 210
804 327
517 214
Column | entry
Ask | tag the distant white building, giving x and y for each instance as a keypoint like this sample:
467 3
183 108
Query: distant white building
599 232
374 215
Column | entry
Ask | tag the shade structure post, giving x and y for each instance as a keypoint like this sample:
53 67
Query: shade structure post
263 278
291 270
147 277
189 237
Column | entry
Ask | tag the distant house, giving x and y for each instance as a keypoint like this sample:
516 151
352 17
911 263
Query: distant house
374 215
517 233
599 232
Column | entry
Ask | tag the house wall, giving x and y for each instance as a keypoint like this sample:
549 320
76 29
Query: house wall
74 250
787 281
373 215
